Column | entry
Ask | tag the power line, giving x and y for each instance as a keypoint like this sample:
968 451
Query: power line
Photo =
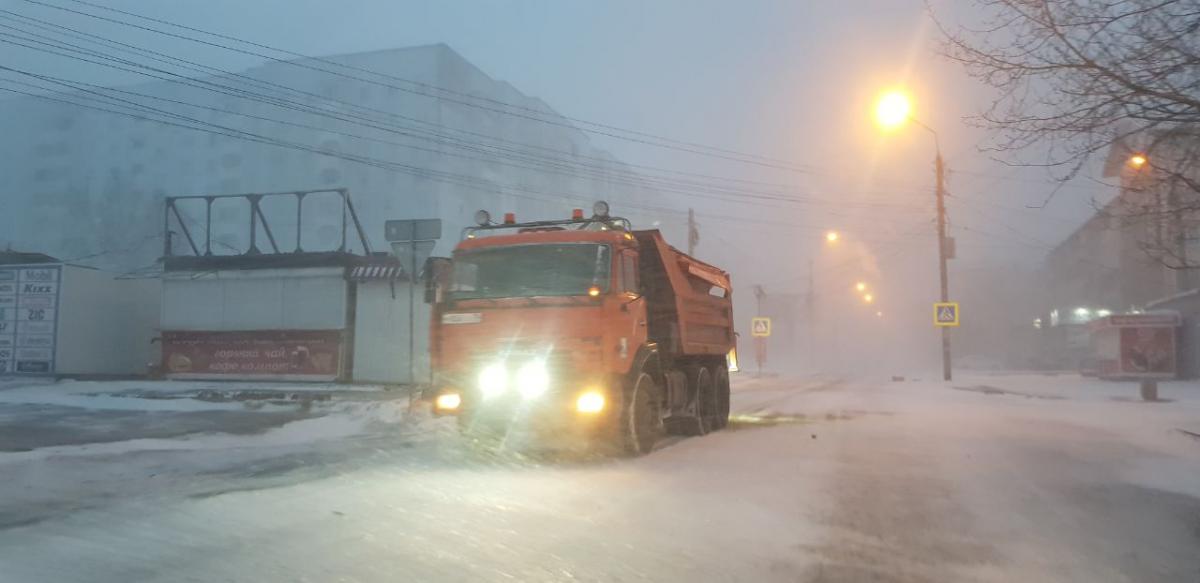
665 143
424 85
653 183
655 180
205 69
440 176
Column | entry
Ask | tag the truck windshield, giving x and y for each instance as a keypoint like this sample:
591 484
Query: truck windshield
530 270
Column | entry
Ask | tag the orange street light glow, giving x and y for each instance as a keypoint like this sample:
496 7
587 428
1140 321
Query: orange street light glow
832 236
1137 160
893 109
860 286
868 298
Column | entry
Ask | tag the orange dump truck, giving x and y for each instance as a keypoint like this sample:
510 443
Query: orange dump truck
581 330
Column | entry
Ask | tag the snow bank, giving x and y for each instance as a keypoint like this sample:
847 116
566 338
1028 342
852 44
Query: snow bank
162 395
339 421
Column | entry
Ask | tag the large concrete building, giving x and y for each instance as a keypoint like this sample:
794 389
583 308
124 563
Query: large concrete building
1137 252
413 133
431 136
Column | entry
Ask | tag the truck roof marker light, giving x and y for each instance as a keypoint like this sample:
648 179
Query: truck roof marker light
594 291
600 209
577 214
510 218
629 236
483 218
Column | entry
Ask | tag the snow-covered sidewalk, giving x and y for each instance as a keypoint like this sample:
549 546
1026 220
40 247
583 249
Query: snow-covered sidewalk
1072 386
41 419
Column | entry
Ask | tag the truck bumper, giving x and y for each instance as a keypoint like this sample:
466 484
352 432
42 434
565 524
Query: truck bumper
550 422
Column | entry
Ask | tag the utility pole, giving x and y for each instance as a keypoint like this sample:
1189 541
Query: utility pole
945 281
760 343
811 301
693 234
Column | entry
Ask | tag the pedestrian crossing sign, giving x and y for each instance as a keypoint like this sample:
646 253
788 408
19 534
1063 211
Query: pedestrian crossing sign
945 314
760 327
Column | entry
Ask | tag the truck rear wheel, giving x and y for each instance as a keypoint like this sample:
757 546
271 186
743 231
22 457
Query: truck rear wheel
641 420
721 374
704 421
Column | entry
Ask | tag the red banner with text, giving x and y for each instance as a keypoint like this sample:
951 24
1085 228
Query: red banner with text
299 354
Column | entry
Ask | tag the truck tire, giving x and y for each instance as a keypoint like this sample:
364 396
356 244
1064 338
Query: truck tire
701 382
641 420
721 376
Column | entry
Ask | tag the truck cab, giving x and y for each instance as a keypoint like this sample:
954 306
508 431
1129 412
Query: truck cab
580 330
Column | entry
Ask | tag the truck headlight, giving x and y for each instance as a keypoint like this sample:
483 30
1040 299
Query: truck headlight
493 379
590 402
533 379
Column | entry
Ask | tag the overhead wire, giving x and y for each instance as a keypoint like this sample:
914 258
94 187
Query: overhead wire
405 80
661 142
844 203
205 69
654 182
466 181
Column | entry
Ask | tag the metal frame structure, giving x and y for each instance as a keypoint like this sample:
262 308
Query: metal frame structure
256 217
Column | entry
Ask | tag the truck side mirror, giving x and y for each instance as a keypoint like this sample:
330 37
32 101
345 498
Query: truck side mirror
436 274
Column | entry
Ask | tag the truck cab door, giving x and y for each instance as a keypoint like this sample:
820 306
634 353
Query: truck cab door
634 304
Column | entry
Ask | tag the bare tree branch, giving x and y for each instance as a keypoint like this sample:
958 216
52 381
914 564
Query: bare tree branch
1079 78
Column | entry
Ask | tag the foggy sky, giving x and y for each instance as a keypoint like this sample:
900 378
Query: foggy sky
785 79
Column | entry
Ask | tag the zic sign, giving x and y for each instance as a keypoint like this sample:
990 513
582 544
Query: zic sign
28 318
760 327
945 314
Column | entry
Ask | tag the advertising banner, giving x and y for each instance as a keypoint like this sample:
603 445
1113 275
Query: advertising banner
1148 351
28 318
281 354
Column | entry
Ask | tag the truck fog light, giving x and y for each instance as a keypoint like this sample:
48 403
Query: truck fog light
590 402
448 402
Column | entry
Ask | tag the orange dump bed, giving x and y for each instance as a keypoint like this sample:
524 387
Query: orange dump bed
690 302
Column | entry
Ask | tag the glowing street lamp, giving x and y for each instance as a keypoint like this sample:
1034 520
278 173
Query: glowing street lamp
868 298
1136 161
832 236
893 109
860 286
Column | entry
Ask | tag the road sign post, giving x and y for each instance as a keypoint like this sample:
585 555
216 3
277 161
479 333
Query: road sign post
412 241
760 329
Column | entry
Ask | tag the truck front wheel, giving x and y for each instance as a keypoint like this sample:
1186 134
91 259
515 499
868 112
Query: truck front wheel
641 420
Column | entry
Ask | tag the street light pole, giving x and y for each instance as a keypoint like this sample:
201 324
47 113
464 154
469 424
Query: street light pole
940 167
892 110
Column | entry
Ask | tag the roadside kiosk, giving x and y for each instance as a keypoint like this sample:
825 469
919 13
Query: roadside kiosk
1136 346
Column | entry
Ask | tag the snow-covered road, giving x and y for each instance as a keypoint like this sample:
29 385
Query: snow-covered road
1003 479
